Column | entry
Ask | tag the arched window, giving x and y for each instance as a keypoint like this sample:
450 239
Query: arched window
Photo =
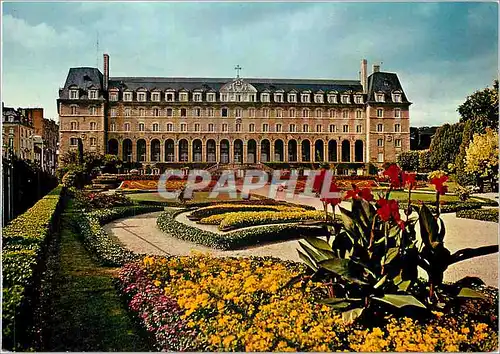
156 127
170 127
74 125
141 127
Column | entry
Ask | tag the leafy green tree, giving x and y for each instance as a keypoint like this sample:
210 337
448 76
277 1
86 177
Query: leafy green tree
424 161
481 156
482 108
409 160
444 145
462 177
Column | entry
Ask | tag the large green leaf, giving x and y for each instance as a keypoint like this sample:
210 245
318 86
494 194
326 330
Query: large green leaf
400 300
307 261
390 255
351 227
318 243
428 226
339 303
380 282
315 255
442 230
468 292
340 267
351 315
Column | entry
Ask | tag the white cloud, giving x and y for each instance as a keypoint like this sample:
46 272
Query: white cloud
40 36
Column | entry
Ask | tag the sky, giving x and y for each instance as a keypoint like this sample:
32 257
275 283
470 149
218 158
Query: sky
442 52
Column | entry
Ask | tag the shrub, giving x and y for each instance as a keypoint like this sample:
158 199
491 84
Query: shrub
252 218
409 160
424 161
463 193
24 242
452 207
91 200
230 240
107 250
479 214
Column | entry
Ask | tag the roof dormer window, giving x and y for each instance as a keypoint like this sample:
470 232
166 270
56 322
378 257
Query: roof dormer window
211 97
183 97
169 97
92 94
197 97
264 97
396 97
278 97
358 99
113 96
318 98
155 96
305 98
141 97
292 97
332 98
73 94
379 97
127 96
345 99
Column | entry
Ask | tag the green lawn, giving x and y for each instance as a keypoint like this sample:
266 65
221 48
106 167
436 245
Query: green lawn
424 197
198 197
86 312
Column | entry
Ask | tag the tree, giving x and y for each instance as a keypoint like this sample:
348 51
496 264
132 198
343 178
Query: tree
481 157
424 161
444 145
409 160
482 108
464 178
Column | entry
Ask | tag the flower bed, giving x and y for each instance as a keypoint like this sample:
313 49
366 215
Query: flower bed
233 239
92 200
211 210
107 250
201 303
251 218
24 243
479 214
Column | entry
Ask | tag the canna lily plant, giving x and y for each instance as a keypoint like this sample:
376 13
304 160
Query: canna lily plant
370 261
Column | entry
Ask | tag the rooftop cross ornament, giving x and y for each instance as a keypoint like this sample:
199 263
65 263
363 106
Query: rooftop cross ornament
237 68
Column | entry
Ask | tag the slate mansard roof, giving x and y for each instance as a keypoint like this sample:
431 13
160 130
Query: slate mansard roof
85 78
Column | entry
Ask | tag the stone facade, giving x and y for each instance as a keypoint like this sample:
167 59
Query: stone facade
239 120
17 132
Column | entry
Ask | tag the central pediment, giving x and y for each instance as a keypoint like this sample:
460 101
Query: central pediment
238 86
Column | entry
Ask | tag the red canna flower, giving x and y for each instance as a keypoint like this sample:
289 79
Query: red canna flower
393 172
388 208
409 179
366 194
438 183
352 193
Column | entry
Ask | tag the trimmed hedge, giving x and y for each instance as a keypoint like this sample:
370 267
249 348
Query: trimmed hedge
107 250
479 214
234 239
452 207
206 212
25 241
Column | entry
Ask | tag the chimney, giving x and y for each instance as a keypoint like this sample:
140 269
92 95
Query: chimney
364 65
376 68
106 71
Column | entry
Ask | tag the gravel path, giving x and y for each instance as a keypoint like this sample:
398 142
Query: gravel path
140 234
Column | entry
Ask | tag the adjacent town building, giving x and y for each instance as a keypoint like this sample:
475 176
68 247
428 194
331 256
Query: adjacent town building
162 120
27 134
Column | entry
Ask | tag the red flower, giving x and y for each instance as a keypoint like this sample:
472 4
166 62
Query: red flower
366 194
352 193
409 179
438 183
387 209
318 181
393 172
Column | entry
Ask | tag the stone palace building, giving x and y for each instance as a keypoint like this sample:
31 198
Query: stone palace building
162 120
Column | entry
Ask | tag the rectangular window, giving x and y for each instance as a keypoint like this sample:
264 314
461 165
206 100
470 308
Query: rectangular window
305 113
279 113
112 127
345 99
380 128
93 141
169 97
331 113
224 127
332 98
170 127
305 128
93 111
74 126
127 127
358 128
380 113
197 97
380 97
183 112
265 127
345 113
359 114
305 98
183 127
92 94
278 97
223 97
155 96
292 128
292 113
319 114
141 127
251 127
73 141
93 126
278 128
265 113
332 128
264 97
397 128
156 127
73 94
237 112
142 112
380 157
127 96
397 97
210 127
197 112
319 128
211 97
345 128
74 110
251 112
210 112
197 127
224 112
292 98
397 113
380 142
397 143
238 127
318 98
113 96
183 96
141 97
358 99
